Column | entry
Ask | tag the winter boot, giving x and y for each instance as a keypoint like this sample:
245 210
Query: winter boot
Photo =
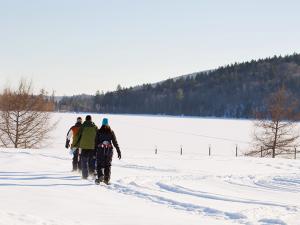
106 181
99 180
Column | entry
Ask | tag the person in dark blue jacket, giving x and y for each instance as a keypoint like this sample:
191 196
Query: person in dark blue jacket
105 141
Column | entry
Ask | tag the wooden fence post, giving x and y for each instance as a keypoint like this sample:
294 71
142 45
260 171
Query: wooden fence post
236 151
261 151
155 150
181 150
209 150
295 157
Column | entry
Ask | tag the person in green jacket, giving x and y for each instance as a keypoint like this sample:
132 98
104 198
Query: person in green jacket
86 140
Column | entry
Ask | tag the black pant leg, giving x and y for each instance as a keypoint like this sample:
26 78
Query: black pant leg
92 161
75 160
84 162
107 173
79 161
99 159
107 164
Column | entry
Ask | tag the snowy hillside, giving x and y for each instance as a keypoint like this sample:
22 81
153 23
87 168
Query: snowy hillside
37 187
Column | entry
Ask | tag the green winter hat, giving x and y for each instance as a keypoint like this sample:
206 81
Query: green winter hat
105 122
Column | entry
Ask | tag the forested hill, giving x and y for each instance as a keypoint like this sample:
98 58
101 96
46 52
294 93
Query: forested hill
229 91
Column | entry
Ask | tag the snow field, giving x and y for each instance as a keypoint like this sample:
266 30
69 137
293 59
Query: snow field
37 187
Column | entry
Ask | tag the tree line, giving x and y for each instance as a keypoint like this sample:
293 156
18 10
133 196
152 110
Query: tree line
234 91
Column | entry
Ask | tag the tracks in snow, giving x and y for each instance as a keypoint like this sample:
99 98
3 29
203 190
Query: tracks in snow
164 189
223 196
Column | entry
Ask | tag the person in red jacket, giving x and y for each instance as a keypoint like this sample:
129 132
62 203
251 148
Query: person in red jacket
73 134
104 142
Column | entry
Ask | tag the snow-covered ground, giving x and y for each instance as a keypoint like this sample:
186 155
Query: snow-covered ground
37 187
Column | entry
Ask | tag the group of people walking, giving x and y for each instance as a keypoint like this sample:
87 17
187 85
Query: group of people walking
92 148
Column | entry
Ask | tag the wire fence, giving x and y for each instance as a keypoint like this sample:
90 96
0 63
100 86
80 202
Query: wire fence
236 150
210 151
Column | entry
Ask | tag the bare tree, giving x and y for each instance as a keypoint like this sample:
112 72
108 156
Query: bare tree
275 127
25 118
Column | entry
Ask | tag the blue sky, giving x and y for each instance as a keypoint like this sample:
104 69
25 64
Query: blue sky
74 47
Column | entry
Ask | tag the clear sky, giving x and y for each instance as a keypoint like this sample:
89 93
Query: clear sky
80 46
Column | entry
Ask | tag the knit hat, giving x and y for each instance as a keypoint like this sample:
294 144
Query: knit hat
105 122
